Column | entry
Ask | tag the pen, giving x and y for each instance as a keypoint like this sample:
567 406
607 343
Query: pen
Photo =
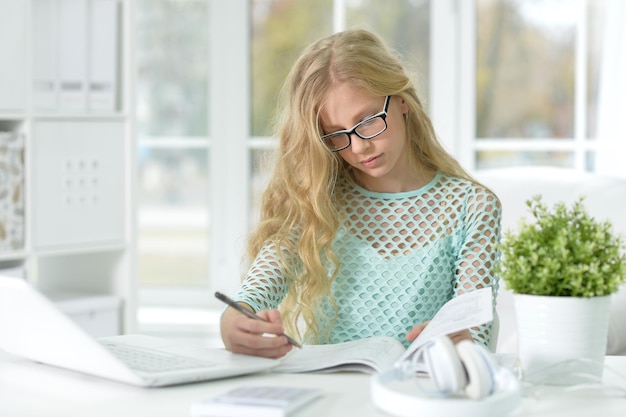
248 313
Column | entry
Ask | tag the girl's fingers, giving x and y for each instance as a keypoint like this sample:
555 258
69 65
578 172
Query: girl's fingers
258 327
415 331
456 337
258 337
258 345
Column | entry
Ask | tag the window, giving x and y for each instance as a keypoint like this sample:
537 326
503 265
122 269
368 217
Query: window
507 82
536 82
172 69
190 116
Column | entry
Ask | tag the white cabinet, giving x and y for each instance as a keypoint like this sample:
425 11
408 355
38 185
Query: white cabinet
65 163
78 181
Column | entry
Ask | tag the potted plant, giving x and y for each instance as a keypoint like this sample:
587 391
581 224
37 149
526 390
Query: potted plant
562 266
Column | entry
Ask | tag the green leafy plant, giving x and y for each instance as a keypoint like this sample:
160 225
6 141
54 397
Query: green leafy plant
563 252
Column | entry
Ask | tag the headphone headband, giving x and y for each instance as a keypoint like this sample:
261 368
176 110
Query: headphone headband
397 392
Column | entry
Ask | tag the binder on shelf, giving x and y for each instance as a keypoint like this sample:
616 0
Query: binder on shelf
11 191
13 50
103 28
45 50
72 30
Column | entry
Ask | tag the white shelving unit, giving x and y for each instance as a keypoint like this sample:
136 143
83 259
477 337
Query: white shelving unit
65 155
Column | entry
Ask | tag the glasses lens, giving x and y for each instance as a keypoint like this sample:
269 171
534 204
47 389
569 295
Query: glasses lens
372 127
338 141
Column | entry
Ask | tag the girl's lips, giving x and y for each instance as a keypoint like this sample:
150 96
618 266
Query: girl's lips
370 163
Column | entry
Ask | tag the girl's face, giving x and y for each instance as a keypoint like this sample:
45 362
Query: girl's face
381 163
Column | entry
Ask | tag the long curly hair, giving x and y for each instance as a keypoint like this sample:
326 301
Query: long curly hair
298 214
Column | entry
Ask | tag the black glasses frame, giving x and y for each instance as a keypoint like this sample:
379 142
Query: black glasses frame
350 132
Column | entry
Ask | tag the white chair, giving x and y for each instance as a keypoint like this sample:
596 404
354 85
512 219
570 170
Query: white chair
605 199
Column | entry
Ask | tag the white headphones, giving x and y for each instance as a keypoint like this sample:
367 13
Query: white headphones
464 379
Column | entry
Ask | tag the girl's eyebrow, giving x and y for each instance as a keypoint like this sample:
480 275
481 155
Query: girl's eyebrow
362 115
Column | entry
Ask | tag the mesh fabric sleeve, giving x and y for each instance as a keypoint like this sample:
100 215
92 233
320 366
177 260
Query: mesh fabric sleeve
479 253
264 286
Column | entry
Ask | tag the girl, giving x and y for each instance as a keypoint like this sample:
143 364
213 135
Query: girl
368 226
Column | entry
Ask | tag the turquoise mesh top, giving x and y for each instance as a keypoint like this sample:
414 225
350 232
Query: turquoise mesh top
402 256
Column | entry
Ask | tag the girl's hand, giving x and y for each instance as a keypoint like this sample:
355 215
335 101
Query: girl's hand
242 334
464 334
456 337
415 331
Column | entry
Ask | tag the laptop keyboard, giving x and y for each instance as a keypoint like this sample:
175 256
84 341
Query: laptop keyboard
153 361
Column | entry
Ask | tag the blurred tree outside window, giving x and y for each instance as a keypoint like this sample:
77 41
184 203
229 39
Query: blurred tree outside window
530 86
173 174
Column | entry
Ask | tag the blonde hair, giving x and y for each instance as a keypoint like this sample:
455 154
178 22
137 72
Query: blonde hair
297 211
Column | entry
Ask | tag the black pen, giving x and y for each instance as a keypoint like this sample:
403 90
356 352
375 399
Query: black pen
248 313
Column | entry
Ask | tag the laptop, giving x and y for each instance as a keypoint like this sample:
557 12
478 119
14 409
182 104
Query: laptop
32 327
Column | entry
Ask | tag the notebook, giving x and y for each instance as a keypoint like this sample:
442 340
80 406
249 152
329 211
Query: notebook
32 327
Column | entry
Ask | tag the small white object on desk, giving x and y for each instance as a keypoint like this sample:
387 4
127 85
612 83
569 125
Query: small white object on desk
258 401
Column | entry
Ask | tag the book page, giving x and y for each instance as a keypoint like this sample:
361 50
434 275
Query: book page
367 355
463 312
381 352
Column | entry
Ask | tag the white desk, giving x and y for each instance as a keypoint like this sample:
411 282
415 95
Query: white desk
28 389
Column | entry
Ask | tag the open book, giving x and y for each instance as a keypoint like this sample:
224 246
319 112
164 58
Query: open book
378 353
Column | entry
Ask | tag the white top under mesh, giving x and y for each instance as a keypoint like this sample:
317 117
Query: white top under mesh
403 255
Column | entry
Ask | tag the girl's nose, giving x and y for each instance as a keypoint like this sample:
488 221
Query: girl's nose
359 145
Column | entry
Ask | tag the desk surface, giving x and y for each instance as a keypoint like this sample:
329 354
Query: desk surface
28 389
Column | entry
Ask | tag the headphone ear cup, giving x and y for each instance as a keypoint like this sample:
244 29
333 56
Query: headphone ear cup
444 366
479 369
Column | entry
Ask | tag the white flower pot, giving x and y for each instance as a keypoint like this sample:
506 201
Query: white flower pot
561 340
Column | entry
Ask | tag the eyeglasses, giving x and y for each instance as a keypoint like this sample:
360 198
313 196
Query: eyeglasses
365 129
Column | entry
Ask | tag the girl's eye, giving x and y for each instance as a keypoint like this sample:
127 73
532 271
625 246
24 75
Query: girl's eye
368 122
